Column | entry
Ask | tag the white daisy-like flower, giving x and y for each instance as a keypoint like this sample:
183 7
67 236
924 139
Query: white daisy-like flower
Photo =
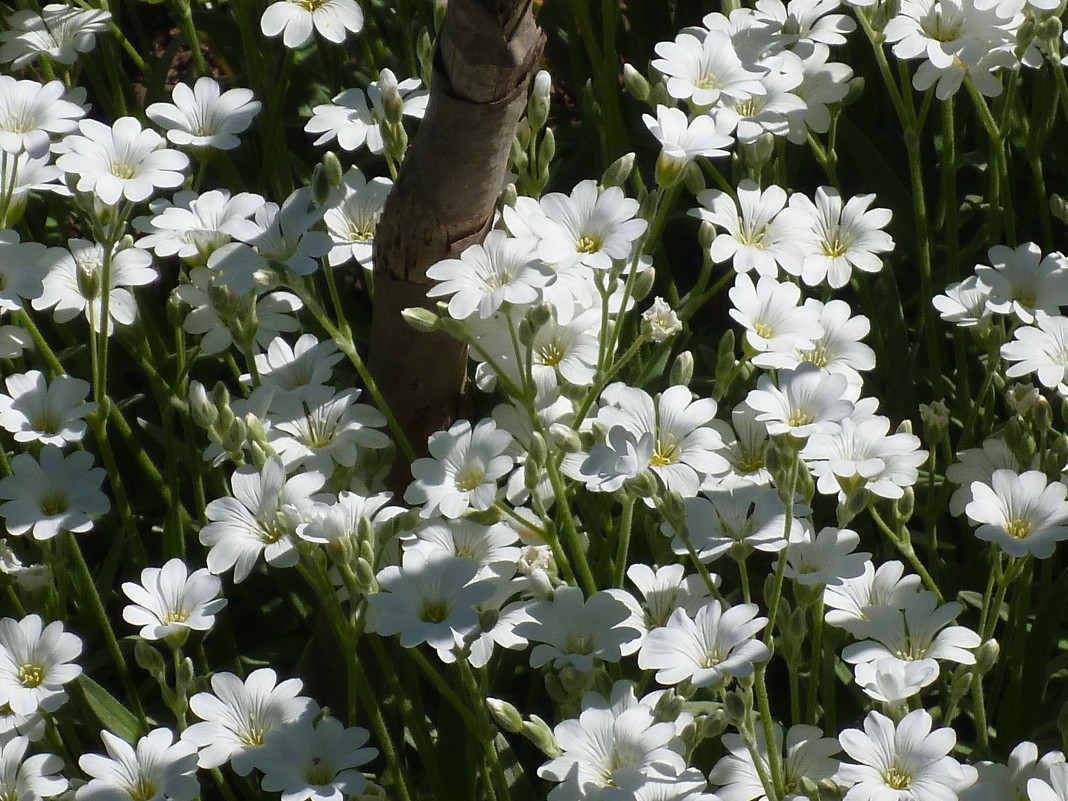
193 226
704 70
73 284
35 662
890 681
965 304
462 469
623 456
571 629
770 112
341 521
1023 282
807 400
905 761
1056 789
430 597
745 445
296 20
59 31
854 602
319 433
807 755
170 601
352 216
354 122
261 517
919 630
715 644
686 441
663 590
238 715
822 86
755 237
486 276
1023 513
659 321
205 116
317 761
682 139
32 113
59 493
824 558
615 742
38 411
589 226
120 161
836 239
1010 780
1042 349
296 371
772 318
159 769
742 518
32 779
493 547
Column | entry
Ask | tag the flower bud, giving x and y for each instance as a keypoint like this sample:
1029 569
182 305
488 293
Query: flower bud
618 171
693 178
201 409
643 284
538 104
986 656
505 715
547 148
335 173
635 83
320 184
421 319
682 369
150 660
538 732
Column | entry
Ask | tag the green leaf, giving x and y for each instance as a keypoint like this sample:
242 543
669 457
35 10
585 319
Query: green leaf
111 713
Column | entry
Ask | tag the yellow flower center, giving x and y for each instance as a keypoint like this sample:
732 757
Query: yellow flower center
588 244
31 676
1019 528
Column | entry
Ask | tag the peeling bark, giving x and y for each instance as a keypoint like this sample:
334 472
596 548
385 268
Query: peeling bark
444 198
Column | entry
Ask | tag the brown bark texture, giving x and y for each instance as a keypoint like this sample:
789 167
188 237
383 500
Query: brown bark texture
444 198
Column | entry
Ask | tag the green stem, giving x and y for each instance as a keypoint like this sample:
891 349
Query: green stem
626 523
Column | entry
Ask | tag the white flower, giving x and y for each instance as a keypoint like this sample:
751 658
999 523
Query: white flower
808 755
822 85
664 589
861 454
59 493
772 319
31 113
823 558
342 520
298 371
28 779
1010 780
74 283
855 601
262 517
194 226
590 227
890 680
1022 512
295 20
170 601
805 23
743 518
59 32
837 238
493 547
979 464
682 139
917 631
770 112
704 70
613 744
121 161
35 662
158 770
352 216
316 761
1056 789
806 401
462 469
317 433
238 716
431 597
38 411
625 455
500 270
573 630
1042 349
685 441
755 237
907 761
965 304
659 321
354 123
706 649
21 271
204 116
1023 282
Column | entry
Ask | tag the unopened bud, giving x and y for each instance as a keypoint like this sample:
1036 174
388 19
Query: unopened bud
320 184
856 89
335 174
538 732
906 504
547 148
618 171
682 369
734 709
201 409
635 83
421 319
643 284
986 656
538 104
505 715
693 178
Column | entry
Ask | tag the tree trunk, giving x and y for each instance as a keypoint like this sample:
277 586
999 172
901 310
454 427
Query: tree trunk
444 199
